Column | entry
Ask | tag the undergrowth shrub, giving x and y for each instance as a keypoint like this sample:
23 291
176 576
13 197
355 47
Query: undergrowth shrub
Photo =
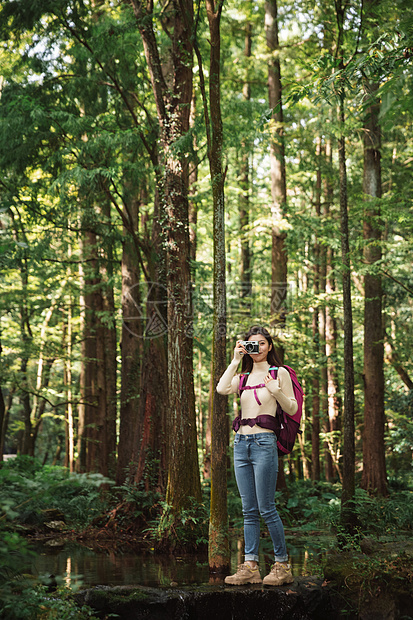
311 505
185 530
27 489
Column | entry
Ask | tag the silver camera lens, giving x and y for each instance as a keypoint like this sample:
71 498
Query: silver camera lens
251 346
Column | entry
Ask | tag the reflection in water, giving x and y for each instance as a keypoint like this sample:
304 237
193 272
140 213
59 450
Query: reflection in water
77 565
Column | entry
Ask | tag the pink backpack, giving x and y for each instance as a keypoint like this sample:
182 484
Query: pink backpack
286 427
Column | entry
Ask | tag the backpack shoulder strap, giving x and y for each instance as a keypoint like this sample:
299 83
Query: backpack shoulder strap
242 381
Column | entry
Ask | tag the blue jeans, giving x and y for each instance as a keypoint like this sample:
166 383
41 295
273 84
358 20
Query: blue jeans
256 470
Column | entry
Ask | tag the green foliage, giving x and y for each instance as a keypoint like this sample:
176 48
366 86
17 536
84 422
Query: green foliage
27 489
185 530
361 578
375 515
35 602
317 505
368 574
78 128
139 505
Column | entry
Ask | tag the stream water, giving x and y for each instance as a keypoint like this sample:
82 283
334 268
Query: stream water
78 565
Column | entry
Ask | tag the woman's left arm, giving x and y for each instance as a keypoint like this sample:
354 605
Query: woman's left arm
282 390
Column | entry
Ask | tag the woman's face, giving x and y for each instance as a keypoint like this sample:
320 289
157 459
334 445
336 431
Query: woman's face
264 348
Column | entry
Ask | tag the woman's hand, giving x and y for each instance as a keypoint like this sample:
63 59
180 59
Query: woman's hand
272 385
239 351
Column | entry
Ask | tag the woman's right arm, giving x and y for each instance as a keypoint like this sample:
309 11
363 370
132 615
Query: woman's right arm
229 382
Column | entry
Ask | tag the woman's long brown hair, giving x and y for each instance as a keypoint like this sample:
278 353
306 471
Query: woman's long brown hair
272 359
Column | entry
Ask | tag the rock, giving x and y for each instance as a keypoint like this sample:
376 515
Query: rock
307 598
369 546
56 525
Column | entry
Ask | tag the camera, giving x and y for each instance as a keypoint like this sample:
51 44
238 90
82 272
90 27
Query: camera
251 346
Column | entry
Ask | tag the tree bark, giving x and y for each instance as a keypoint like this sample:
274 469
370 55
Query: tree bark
331 335
218 549
278 176
152 448
244 201
348 517
131 343
173 107
374 478
193 179
316 400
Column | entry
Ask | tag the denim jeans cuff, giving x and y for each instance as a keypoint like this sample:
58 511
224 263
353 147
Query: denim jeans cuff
250 557
281 558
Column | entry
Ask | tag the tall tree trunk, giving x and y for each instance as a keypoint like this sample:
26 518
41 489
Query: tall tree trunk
88 373
151 449
315 433
331 332
70 427
244 201
108 468
374 476
97 424
218 549
322 317
316 400
278 177
348 516
348 491
173 107
6 406
131 343
193 179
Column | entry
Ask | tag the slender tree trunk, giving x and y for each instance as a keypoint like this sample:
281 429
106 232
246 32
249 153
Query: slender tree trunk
348 516
88 374
331 332
7 406
193 179
348 490
70 427
110 368
244 202
278 177
218 549
315 433
374 476
207 451
322 280
131 344
97 419
152 448
316 331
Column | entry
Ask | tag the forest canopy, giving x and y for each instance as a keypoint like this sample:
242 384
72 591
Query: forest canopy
124 145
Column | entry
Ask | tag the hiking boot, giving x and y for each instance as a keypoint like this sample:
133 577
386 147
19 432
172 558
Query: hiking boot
244 574
280 574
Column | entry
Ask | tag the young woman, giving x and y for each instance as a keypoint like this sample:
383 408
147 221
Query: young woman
256 454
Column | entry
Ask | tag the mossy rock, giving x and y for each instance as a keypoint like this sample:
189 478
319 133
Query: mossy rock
306 599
